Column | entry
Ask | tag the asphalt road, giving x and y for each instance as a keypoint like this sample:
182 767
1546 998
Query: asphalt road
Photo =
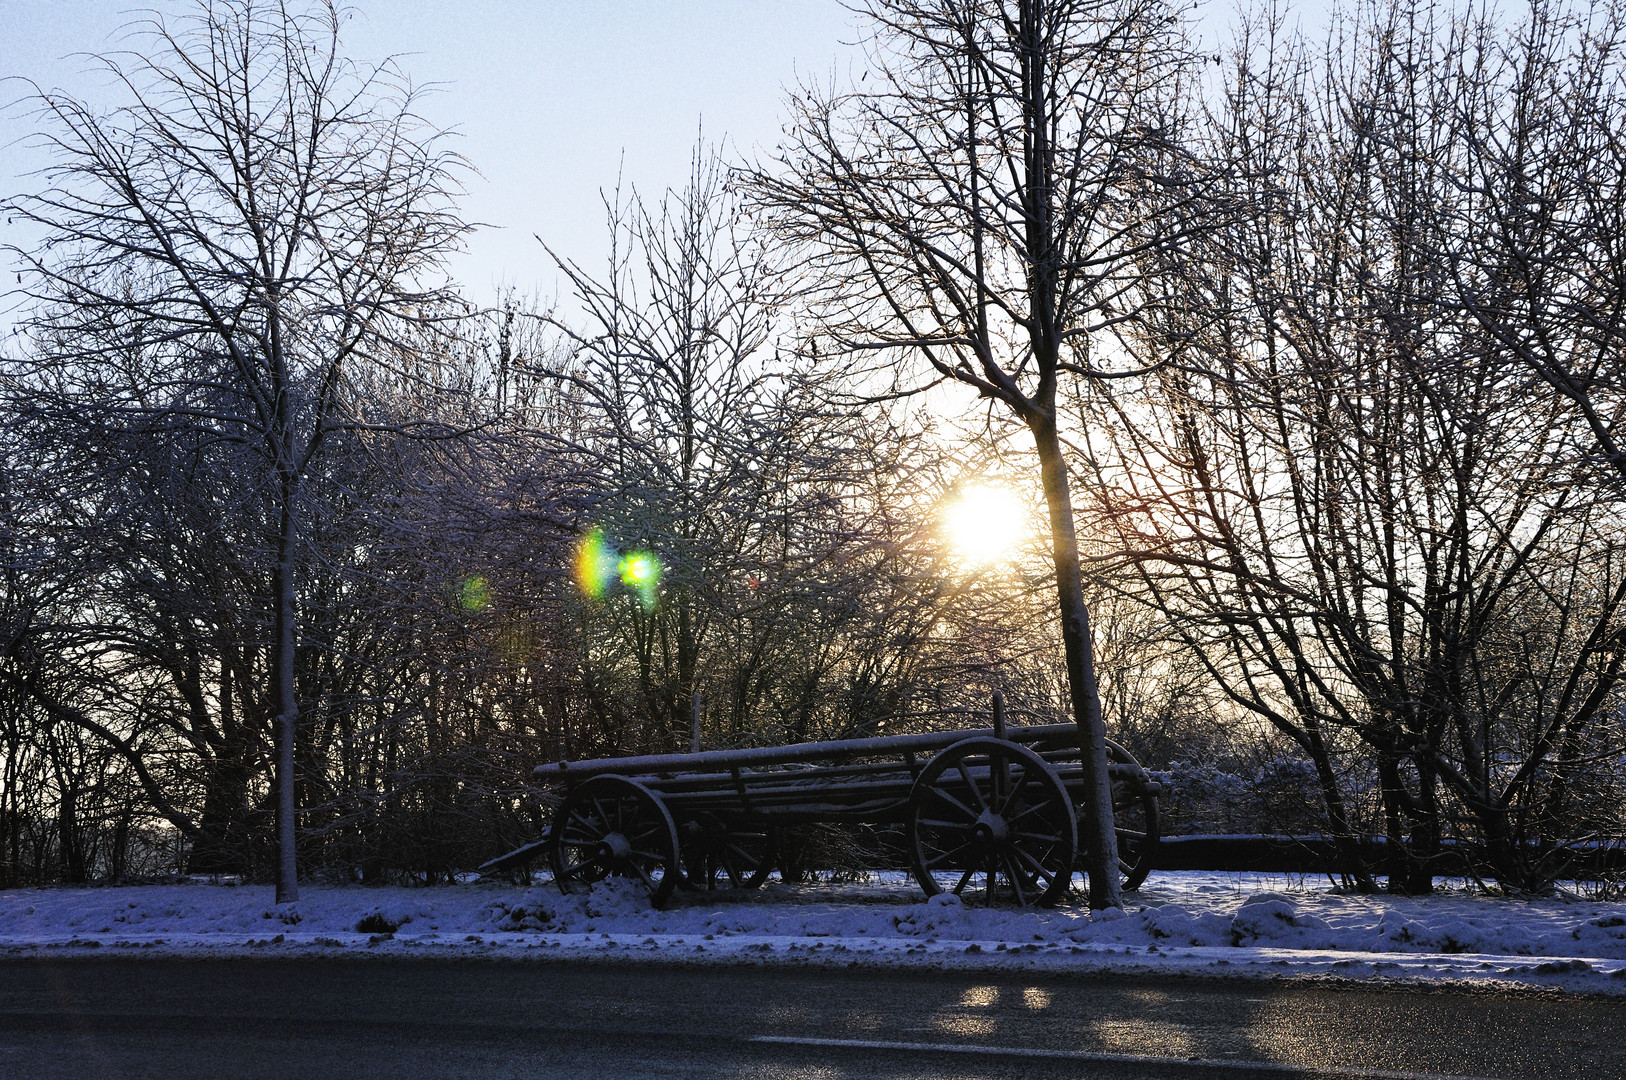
356 1019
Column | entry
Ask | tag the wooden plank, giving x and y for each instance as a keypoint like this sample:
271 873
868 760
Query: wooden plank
832 751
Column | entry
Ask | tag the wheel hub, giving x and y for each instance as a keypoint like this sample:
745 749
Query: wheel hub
990 828
614 848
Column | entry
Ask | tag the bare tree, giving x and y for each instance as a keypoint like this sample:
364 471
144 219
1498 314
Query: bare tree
1344 492
774 514
981 206
249 228
1537 251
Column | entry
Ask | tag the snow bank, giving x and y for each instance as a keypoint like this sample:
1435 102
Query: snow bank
1197 923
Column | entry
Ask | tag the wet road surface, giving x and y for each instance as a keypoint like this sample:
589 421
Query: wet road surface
405 1019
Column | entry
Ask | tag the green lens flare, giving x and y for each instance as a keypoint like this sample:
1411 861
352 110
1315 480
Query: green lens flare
596 564
474 593
599 566
641 572
639 569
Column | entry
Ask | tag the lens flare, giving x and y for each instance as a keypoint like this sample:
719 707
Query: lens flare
474 593
639 569
599 566
641 572
596 564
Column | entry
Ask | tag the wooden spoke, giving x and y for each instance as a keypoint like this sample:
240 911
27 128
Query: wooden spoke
610 826
1015 790
975 788
1036 808
944 797
1015 875
1135 818
576 868
946 857
1038 870
1007 783
727 851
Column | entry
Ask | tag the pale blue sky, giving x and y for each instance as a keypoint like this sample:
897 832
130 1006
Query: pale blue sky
550 96
547 96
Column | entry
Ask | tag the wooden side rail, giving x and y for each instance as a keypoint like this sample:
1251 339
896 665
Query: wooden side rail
763 756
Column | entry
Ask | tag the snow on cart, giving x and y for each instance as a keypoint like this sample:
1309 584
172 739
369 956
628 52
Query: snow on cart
990 814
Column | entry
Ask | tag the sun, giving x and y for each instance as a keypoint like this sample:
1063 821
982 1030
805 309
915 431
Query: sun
985 523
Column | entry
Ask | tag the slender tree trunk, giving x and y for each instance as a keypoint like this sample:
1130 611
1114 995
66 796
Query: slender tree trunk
72 857
1343 834
287 699
1426 834
121 849
222 844
11 820
1389 785
1100 837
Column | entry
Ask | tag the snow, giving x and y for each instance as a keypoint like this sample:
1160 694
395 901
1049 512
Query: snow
1194 923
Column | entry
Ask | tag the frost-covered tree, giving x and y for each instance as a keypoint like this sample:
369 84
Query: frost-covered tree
975 208
222 254
1344 488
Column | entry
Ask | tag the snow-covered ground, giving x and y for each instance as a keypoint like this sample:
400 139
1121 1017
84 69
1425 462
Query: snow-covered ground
1247 925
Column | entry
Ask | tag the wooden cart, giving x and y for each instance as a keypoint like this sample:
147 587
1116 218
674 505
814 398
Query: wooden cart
989 813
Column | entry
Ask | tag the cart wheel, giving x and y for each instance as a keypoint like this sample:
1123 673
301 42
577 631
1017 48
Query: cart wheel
992 810
726 853
609 825
1134 815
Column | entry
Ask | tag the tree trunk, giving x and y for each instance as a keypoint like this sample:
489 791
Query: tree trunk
1100 837
1343 834
72 852
1426 832
120 853
1393 820
287 702
223 841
